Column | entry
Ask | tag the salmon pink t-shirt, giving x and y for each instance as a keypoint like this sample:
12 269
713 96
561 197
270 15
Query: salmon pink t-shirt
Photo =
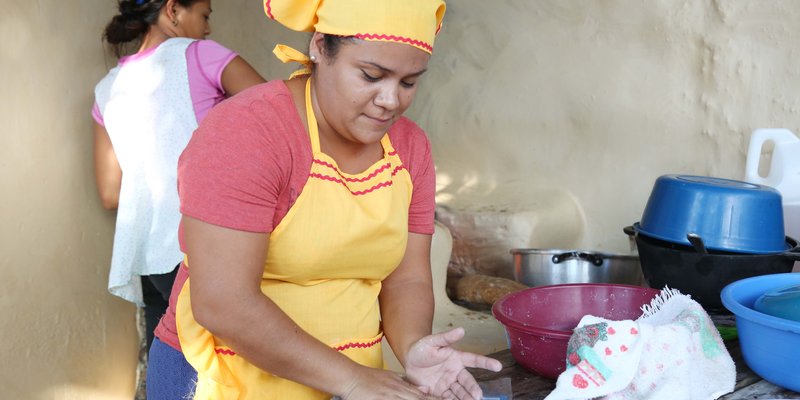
250 159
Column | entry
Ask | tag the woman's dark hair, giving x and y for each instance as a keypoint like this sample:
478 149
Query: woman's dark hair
332 43
134 19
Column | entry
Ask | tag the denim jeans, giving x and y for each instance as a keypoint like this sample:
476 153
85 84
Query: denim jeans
169 375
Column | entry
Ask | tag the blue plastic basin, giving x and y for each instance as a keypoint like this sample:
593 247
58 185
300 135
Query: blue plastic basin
770 345
728 215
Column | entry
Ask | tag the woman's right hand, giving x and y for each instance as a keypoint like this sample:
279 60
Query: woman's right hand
377 384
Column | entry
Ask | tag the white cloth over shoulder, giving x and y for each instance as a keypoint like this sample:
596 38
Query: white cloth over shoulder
147 110
672 352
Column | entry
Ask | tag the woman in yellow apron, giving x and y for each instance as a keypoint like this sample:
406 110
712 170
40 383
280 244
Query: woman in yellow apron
287 290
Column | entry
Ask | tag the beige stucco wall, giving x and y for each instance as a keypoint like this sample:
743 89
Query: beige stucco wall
63 336
589 102
551 117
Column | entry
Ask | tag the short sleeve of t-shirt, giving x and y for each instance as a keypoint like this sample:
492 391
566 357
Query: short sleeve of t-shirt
414 150
238 161
98 117
205 61
208 59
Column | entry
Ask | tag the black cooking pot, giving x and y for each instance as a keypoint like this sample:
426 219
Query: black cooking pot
702 273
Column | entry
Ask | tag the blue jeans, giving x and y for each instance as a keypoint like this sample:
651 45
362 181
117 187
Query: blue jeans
169 375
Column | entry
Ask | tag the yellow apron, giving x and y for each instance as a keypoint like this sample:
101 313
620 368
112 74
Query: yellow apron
326 260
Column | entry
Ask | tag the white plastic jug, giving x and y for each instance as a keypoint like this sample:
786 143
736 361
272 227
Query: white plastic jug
784 172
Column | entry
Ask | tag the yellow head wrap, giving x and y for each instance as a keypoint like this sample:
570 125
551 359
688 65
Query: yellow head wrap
412 22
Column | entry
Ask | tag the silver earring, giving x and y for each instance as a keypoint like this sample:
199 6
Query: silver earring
313 58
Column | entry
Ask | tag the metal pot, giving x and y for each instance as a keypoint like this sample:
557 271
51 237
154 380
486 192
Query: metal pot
540 267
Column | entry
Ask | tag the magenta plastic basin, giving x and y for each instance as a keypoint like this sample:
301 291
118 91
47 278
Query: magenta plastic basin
539 320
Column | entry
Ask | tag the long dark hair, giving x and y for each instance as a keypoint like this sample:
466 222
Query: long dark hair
134 19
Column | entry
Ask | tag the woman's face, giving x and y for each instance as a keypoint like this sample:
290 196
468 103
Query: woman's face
366 87
193 20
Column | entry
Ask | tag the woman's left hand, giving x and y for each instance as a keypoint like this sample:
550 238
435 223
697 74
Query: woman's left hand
438 369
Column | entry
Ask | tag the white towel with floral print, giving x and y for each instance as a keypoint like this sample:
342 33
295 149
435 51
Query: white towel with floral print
673 351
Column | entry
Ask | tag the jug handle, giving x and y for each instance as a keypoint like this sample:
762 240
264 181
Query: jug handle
757 140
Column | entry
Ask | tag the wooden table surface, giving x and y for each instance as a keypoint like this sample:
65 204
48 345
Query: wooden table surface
528 386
